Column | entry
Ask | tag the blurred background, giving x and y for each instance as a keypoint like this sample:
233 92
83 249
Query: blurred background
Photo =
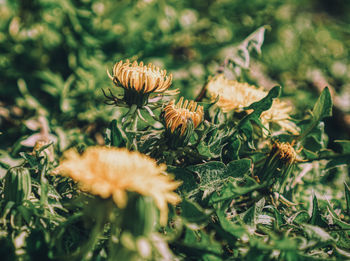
54 56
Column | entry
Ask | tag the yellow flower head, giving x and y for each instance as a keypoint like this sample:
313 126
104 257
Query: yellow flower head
235 96
285 151
179 114
140 78
111 172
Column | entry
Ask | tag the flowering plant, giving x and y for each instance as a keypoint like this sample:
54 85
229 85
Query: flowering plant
231 172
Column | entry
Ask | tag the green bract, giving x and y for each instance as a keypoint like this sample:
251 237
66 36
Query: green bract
17 185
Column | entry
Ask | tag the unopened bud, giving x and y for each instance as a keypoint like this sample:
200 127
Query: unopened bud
18 185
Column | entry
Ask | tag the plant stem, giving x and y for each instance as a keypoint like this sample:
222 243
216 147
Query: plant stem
329 157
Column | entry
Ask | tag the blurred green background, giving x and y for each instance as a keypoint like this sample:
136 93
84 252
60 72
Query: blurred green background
54 56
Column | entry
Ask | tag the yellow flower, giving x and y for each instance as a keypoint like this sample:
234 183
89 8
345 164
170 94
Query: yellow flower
111 172
285 151
180 114
235 96
142 79
139 81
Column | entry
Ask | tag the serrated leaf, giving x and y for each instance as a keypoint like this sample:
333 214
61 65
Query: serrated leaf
335 218
233 188
316 218
235 230
211 176
32 160
317 233
251 216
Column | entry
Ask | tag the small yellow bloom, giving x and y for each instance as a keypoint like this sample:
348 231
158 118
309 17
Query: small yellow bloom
179 114
235 96
285 151
111 172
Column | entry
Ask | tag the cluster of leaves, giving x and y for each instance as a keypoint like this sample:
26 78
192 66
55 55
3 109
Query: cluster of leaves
237 201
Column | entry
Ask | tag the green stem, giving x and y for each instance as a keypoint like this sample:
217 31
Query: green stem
328 157
133 130
86 252
134 122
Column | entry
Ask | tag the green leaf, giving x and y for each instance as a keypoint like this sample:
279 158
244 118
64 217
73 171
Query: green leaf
345 144
32 160
335 218
117 139
240 56
236 146
265 103
238 168
323 106
340 159
211 176
322 109
300 217
343 253
278 221
316 218
193 214
250 217
189 185
234 188
234 229
347 197
244 126
198 245
317 233
316 140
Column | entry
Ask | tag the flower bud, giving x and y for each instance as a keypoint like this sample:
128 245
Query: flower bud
180 121
17 185
278 165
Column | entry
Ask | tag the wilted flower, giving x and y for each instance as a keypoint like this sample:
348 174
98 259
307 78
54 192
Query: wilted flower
278 165
112 172
140 81
285 152
235 96
181 118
